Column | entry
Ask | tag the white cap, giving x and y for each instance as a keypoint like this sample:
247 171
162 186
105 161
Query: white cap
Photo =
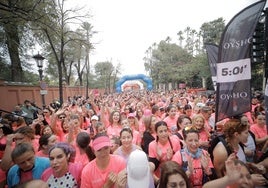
94 117
138 171
200 105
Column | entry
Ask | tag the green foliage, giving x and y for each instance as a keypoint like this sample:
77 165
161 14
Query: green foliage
106 75
169 62
212 31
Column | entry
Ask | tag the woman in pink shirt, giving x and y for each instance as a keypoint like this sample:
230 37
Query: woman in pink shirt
115 124
46 141
195 161
163 148
149 134
259 129
172 117
199 122
126 137
103 170
84 153
135 134
47 115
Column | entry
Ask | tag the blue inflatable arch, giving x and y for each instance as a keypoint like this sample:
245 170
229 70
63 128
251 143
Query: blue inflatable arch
125 78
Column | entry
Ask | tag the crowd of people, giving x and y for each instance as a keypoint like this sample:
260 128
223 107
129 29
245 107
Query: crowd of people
147 139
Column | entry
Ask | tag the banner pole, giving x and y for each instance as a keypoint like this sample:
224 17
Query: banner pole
266 66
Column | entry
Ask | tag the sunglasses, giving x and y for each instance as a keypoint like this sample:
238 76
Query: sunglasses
190 128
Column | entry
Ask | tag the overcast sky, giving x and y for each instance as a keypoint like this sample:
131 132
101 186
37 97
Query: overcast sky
126 28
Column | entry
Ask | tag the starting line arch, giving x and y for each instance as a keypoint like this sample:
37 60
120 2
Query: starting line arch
125 78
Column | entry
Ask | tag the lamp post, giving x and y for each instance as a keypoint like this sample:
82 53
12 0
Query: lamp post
39 62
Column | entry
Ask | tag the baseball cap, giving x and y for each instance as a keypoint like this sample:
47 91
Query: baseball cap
94 117
130 115
200 105
138 171
101 142
147 112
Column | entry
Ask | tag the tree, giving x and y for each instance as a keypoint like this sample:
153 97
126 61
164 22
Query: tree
14 23
104 74
55 26
211 31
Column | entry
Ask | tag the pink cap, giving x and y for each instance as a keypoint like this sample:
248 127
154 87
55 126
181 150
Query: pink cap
131 115
100 142
147 112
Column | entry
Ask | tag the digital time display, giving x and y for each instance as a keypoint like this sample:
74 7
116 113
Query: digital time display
233 71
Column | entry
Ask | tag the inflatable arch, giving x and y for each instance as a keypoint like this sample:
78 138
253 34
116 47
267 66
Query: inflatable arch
125 78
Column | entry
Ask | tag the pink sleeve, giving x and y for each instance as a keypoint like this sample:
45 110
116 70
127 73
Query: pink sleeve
85 181
175 143
177 157
46 174
152 150
253 129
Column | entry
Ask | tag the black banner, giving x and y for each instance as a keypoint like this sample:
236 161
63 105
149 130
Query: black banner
233 68
212 54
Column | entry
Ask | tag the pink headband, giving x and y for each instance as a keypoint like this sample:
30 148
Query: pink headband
100 142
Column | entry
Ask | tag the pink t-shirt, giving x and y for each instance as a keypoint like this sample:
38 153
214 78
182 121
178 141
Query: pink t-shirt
81 158
136 138
153 151
203 135
197 177
258 131
171 122
41 154
72 178
93 177
113 131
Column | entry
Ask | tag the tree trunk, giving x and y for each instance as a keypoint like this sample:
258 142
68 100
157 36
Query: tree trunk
13 43
204 85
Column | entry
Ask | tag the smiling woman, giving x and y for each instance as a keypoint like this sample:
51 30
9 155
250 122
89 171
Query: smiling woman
195 161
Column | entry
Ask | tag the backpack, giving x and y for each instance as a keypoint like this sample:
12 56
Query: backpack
214 141
194 180
180 137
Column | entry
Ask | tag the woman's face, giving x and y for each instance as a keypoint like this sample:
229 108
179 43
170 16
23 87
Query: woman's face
172 112
188 112
52 141
153 122
116 117
101 129
58 161
243 136
245 180
46 113
131 120
47 130
185 122
176 181
65 126
125 123
261 120
199 123
162 133
103 152
126 139
139 112
192 142
75 123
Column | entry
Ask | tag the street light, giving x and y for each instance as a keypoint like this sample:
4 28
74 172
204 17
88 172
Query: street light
39 62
